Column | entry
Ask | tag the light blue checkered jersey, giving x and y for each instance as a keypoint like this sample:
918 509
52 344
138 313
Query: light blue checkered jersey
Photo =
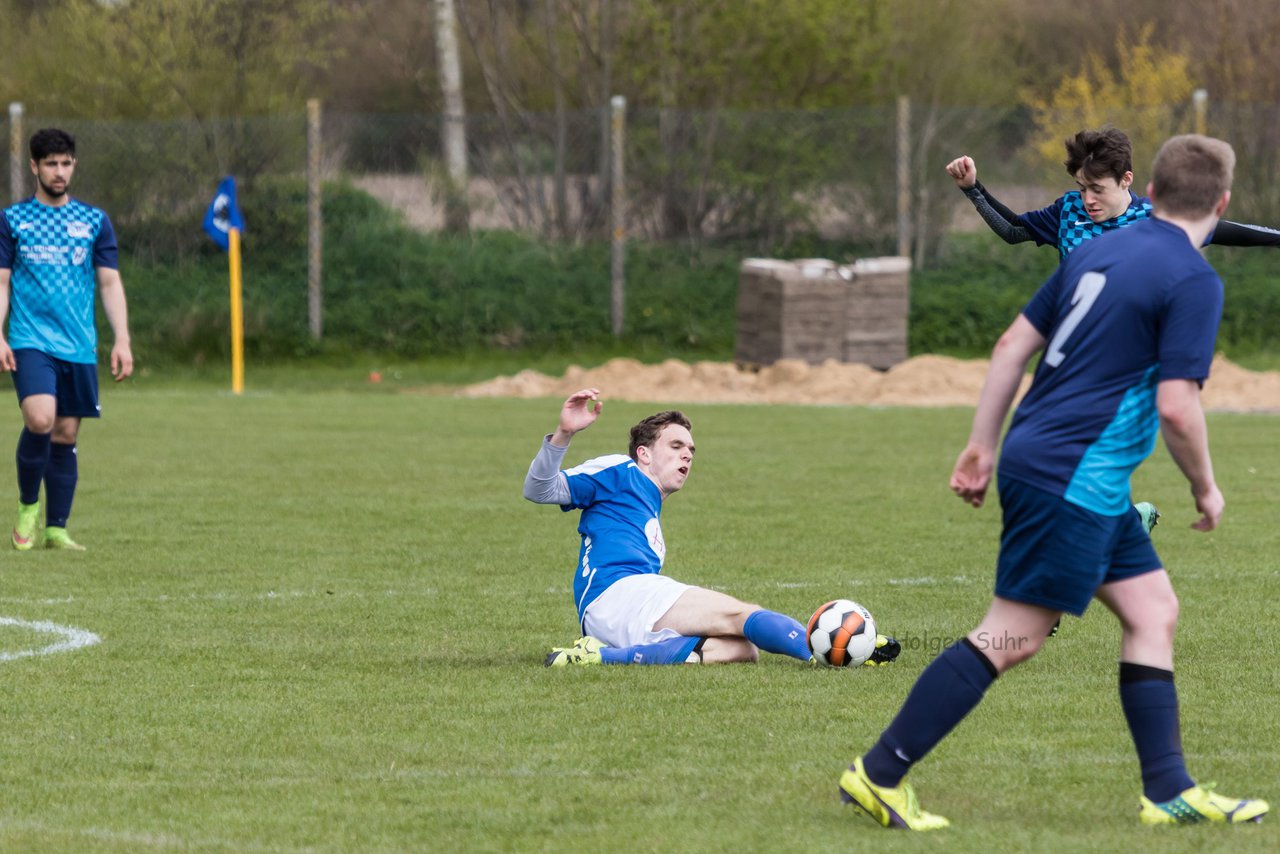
53 253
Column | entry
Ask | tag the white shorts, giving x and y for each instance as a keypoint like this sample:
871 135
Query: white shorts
624 614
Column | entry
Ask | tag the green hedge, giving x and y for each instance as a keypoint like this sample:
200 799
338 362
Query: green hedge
394 291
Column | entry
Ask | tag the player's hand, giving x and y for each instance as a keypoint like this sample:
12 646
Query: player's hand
578 413
964 171
7 362
1210 507
972 474
121 361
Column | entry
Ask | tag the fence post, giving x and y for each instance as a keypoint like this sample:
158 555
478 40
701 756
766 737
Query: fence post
617 214
315 223
16 161
1200 101
904 176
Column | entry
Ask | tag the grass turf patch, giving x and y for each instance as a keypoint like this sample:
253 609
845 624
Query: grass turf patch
323 617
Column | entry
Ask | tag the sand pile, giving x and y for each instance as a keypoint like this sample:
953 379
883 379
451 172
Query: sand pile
921 381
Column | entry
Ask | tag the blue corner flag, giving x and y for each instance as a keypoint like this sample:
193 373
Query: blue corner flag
224 214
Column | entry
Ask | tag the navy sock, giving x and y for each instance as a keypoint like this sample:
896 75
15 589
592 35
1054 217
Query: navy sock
33 459
948 689
777 633
60 484
670 651
1150 703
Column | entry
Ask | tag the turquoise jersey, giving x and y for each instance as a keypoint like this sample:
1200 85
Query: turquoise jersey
53 253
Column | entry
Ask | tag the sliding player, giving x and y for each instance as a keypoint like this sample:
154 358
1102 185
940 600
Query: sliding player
629 612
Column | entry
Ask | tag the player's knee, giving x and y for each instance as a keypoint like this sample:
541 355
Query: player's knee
39 421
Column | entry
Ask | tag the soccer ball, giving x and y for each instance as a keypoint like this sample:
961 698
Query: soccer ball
842 633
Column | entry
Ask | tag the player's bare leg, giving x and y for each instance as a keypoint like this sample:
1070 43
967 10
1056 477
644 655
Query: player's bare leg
1012 632
1147 609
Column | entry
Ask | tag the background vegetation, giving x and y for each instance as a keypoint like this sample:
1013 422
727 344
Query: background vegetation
754 128
406 295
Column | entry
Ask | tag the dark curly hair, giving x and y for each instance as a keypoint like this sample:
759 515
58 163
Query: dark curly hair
1100 153
48 141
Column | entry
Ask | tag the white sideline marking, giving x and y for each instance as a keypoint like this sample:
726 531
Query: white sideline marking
71 638
927 580
224 596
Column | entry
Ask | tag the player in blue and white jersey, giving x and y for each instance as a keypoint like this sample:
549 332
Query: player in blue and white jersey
53 251
1101 162
1127 326
628 611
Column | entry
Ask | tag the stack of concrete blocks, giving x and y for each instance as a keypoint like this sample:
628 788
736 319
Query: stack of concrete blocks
816 310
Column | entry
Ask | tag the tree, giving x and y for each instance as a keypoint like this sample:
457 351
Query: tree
959 91
454 125
162 59
1145 96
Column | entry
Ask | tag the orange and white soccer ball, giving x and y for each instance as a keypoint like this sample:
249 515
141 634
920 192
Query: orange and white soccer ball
842 633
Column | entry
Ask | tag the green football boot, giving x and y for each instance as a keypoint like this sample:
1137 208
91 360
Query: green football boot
1149 514
585 651
1200 804
886 652
58 538
24 530
895 807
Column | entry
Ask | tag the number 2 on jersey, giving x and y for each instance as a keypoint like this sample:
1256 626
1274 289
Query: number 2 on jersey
1087 290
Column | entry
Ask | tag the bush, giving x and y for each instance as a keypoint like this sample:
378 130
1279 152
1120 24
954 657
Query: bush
391 290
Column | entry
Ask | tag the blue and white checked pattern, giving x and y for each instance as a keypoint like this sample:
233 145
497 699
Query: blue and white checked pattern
1075 227
53 253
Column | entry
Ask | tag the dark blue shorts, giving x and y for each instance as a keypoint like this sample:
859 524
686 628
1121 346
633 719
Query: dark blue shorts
1056 554
75 385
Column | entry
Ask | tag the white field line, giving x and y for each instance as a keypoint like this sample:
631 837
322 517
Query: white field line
70 638
138 840
223 596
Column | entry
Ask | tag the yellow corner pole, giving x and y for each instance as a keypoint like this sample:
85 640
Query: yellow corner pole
237 315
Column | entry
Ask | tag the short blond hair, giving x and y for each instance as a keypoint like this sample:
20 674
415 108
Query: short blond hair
1190 174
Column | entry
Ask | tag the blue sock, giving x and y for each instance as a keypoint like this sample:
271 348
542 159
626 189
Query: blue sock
60 484
670 651
777 633
948 689
33 459
1150 703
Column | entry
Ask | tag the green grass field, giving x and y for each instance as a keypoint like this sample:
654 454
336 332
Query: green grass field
323 617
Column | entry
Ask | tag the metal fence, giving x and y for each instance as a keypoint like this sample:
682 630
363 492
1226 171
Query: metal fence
753 177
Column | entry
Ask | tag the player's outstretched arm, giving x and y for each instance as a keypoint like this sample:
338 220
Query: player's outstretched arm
545 483
1230 233
576 415
972 473
1186 435
1000 219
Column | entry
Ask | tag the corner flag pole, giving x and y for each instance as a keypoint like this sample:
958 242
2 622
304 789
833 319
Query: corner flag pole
237 314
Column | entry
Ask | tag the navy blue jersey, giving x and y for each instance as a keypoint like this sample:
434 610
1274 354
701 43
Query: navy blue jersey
621 534
53 253
1065 223
1119 315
